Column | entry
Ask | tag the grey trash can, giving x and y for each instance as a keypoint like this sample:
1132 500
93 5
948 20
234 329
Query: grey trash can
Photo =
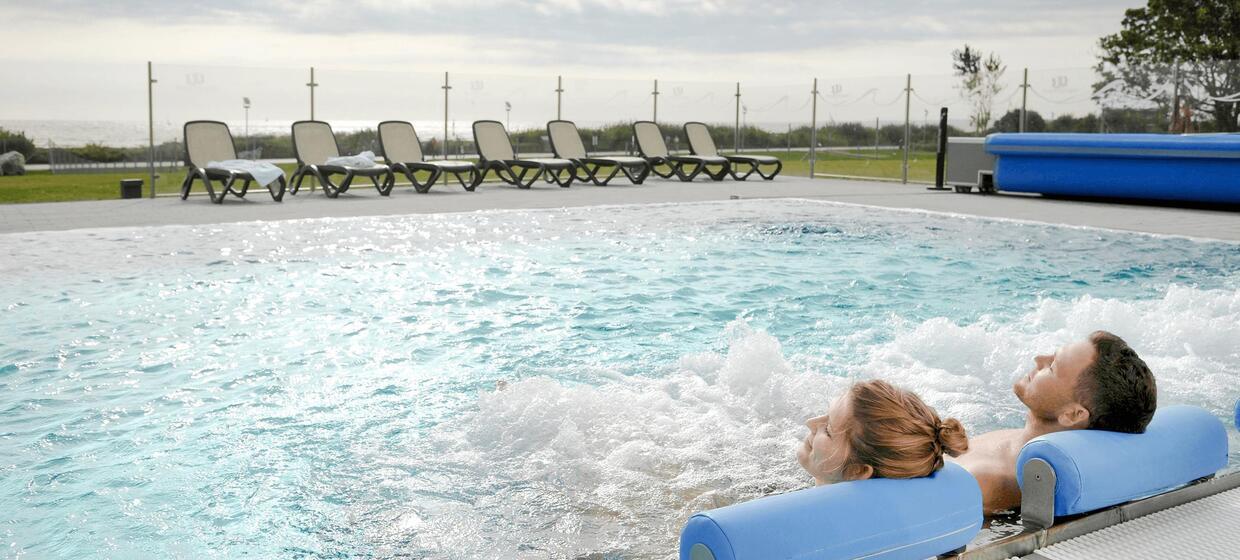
131 188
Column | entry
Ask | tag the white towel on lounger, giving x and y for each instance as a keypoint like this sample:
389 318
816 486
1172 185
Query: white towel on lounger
364 159
263 172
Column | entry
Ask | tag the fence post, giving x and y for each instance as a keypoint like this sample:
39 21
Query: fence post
1024 99
736 140
813 129
312 84
150 122
655 117
445 88
1175 97
940 153
559 92
908 132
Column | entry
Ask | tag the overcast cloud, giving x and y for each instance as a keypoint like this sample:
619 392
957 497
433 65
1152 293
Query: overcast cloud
86 59
532 35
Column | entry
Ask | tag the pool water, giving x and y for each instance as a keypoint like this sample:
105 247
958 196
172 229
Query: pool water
527 384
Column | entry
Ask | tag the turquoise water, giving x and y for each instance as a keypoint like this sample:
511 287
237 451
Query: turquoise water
329 388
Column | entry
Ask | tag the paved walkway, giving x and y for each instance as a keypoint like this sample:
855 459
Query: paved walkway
364 201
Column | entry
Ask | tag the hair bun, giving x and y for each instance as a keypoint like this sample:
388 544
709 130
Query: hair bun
951 436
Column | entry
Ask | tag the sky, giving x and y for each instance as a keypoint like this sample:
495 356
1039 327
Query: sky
75 54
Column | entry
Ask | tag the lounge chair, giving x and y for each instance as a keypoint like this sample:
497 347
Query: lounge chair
313 144
700 143
403 153
211 141
652 147
495 152
566 143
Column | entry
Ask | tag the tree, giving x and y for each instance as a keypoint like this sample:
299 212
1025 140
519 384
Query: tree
1189 49
980 82
1010 122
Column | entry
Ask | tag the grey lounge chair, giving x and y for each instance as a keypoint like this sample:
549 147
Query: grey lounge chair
207 141
403 152
652 147
495 152
566 143
313 144
701 144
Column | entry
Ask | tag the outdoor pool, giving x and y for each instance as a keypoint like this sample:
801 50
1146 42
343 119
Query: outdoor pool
328 388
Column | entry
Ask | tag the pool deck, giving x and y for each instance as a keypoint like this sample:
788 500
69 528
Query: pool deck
364 201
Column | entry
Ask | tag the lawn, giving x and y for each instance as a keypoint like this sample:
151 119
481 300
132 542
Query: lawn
43 186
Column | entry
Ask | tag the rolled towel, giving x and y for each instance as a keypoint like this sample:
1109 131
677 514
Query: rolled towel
364 159
263 172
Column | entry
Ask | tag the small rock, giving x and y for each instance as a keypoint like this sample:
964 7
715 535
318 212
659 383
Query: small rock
12 163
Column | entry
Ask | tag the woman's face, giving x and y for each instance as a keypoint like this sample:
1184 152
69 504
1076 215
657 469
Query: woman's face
825 450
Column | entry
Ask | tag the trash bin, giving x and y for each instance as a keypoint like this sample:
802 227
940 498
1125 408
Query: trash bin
131 188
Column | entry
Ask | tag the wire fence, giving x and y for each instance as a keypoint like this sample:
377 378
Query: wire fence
848 123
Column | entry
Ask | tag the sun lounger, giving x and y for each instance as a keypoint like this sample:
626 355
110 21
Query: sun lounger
209 142
701 144
314 144
495 152
403 152
652 147
566 143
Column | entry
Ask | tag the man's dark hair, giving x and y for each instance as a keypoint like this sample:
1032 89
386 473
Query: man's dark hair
1117 388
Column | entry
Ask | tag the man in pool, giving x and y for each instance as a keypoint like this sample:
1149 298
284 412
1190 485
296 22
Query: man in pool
1098 383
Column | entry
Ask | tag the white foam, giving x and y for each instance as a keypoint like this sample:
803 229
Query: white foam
620 465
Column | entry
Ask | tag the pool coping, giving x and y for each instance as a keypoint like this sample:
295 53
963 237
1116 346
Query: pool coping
1191 223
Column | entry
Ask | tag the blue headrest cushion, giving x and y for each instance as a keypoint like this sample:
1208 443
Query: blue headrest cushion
1096 469
877 518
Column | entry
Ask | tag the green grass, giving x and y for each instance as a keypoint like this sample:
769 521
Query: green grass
43 186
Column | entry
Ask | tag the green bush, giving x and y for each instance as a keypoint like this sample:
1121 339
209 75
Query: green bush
99 153
16 142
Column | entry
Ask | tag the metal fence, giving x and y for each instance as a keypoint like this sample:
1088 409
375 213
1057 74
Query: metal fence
846 119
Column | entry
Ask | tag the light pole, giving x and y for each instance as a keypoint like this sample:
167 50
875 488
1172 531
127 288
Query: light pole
245 104
508 115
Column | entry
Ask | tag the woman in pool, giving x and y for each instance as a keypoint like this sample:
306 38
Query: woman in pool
877 430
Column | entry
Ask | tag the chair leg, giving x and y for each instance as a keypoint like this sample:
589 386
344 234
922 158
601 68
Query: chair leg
386 185
295 181
739 177
671 169
587 173
187 184
430 181
679 169
534 173
277 195
779 166
206 182
724 170
562 177
330 189
469 185
615 170
642 172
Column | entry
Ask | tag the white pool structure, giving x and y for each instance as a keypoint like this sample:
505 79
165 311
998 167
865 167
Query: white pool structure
529 383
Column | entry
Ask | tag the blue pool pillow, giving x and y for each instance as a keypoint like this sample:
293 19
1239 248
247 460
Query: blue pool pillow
875 519
1096 469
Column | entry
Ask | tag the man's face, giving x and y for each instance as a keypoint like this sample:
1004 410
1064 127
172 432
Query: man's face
1049 390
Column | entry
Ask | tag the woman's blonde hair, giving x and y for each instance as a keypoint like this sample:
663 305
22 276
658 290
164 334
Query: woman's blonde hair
897 434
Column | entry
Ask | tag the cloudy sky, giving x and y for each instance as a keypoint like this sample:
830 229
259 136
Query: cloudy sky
790 42
701 39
